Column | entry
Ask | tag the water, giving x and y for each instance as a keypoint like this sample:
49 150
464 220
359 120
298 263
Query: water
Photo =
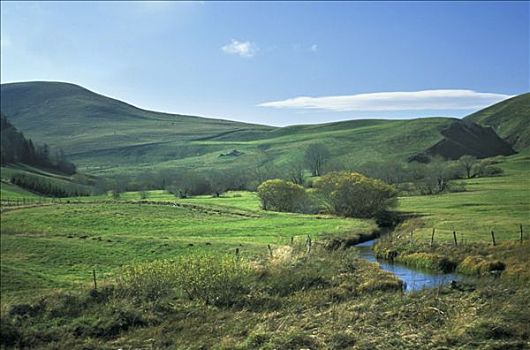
414 279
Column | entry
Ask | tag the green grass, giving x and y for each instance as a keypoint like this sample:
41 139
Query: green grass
60 244
498 203
10 191
509 119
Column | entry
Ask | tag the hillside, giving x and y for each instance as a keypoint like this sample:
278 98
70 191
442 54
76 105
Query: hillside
78 120
105 136
467 138
509 118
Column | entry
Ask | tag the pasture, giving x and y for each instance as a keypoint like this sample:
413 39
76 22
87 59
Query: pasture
58 245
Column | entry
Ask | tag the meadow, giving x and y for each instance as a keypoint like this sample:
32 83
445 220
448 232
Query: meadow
58 245
498 204
287 298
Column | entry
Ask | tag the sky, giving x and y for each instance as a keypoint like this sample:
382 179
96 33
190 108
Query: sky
276 63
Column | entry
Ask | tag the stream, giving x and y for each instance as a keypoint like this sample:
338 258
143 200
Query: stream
414 279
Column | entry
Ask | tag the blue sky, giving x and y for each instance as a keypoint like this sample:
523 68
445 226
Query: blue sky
276 63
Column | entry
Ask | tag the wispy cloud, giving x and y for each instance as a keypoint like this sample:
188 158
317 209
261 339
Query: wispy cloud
314 48
241 48
394 101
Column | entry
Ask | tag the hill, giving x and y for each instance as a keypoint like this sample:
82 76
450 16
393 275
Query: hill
509 118
467 138
106 136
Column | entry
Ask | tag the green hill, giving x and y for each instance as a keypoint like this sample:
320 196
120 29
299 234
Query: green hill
105 136
79 120
509 118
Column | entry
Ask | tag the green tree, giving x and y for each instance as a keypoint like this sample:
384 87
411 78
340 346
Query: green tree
281 195
354 195
467 163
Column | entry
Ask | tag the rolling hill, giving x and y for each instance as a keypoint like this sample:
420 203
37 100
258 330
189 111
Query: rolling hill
509 118
106 136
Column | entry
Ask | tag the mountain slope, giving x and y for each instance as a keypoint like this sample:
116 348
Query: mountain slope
78 120
105 136
509 118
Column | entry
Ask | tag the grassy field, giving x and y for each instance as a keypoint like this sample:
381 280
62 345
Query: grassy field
58 245
10 191
498 204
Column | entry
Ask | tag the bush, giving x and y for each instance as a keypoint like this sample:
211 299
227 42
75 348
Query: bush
281 195
208 278
213 280
147 281
354 195
485 170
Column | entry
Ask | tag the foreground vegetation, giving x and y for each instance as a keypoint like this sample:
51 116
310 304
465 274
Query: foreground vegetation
292 300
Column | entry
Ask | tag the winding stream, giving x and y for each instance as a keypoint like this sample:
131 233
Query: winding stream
414 279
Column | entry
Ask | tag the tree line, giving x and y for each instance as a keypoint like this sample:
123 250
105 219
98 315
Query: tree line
414 178
16 148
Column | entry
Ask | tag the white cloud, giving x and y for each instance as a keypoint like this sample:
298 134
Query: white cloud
314 48
394 101
241 48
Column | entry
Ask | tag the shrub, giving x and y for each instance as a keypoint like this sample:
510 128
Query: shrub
483 170
281 195
212 279
146 281
354 195
208 278
476 265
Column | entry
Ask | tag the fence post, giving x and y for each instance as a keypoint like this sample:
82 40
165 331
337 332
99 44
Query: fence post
270 250
454 237
521 232
237 253
308 243
432 236
94 276
493 238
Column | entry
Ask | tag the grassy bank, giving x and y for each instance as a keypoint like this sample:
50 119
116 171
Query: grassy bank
496 204
325 300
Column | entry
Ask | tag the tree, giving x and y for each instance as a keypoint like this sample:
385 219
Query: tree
296 172
354 195
434 177
281 195
316 155
467 163
264 170
218 182
391 172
